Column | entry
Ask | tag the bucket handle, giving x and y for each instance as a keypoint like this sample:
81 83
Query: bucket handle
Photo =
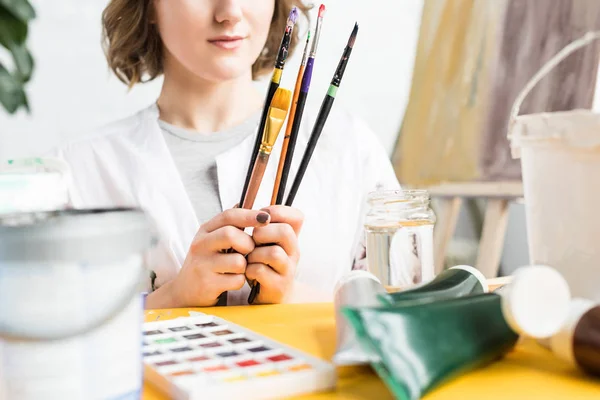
120 304
549 66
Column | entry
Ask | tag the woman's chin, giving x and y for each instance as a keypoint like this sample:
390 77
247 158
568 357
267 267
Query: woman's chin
225 72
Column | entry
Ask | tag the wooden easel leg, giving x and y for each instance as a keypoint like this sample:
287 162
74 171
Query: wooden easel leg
492 237
447 216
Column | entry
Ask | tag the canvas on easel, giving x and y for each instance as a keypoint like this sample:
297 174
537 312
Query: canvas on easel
473 58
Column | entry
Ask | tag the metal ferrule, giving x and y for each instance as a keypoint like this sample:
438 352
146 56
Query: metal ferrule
266 148
313 50
305 54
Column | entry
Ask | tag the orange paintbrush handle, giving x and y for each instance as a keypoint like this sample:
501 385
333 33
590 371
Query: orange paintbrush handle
286 138
257 175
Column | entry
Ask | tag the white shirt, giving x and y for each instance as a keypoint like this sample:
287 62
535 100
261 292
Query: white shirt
127 164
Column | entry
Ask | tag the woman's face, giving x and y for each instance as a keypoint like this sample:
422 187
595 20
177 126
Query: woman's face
216 40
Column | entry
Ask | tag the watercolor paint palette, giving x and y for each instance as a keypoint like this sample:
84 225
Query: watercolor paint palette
206 357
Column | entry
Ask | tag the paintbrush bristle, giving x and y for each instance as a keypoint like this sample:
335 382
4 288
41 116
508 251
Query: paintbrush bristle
353 35
322 11
282 99
293 15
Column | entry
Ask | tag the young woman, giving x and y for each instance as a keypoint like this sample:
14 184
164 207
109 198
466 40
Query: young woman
184 159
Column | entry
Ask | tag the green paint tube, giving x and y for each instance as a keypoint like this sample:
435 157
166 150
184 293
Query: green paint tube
423 343
459 281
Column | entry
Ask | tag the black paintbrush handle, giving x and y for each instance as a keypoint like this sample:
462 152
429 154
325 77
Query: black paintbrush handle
222 300
254 292
312 143
261 127
291 146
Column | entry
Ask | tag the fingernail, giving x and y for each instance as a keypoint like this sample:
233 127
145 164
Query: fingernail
262 217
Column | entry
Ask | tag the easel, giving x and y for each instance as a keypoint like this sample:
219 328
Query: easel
450 196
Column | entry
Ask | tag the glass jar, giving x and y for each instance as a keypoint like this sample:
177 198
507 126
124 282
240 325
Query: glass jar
399 237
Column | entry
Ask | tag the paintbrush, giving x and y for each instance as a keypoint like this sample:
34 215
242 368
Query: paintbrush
275 81
275 119
322 116
288 127
299 111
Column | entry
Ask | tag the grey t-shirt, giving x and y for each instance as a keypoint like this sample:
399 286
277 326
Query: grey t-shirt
195 155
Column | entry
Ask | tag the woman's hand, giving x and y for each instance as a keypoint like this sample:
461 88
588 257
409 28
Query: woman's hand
273 261
207 270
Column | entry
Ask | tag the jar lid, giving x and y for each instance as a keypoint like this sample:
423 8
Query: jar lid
91 235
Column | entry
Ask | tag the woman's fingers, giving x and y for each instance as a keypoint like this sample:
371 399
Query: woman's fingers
225 238
288 215
281 234
233 263
230 282
237 217
266 276
272 256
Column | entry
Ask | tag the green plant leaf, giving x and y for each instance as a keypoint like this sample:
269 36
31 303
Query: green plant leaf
14 18
23 62
21 9
12 95
12 30
12 36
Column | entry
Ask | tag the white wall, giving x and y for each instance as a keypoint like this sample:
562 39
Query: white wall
72 90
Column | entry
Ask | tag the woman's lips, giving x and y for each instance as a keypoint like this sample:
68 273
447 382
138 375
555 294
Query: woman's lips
227 42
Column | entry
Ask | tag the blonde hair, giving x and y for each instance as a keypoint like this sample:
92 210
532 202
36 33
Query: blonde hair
134 49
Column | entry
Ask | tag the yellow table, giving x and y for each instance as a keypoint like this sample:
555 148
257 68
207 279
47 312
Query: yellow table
529 372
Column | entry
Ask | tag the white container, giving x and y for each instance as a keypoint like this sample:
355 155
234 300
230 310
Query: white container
560 159
71 310
34 184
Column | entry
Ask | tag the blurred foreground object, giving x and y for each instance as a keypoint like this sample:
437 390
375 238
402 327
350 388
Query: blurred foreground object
33 185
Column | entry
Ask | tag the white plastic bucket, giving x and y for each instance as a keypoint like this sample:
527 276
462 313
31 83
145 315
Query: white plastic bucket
33 184
71 310
560 160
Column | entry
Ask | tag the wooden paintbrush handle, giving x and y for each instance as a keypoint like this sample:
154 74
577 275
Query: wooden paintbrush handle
289 154
279 171
259 134
257 175
286 138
